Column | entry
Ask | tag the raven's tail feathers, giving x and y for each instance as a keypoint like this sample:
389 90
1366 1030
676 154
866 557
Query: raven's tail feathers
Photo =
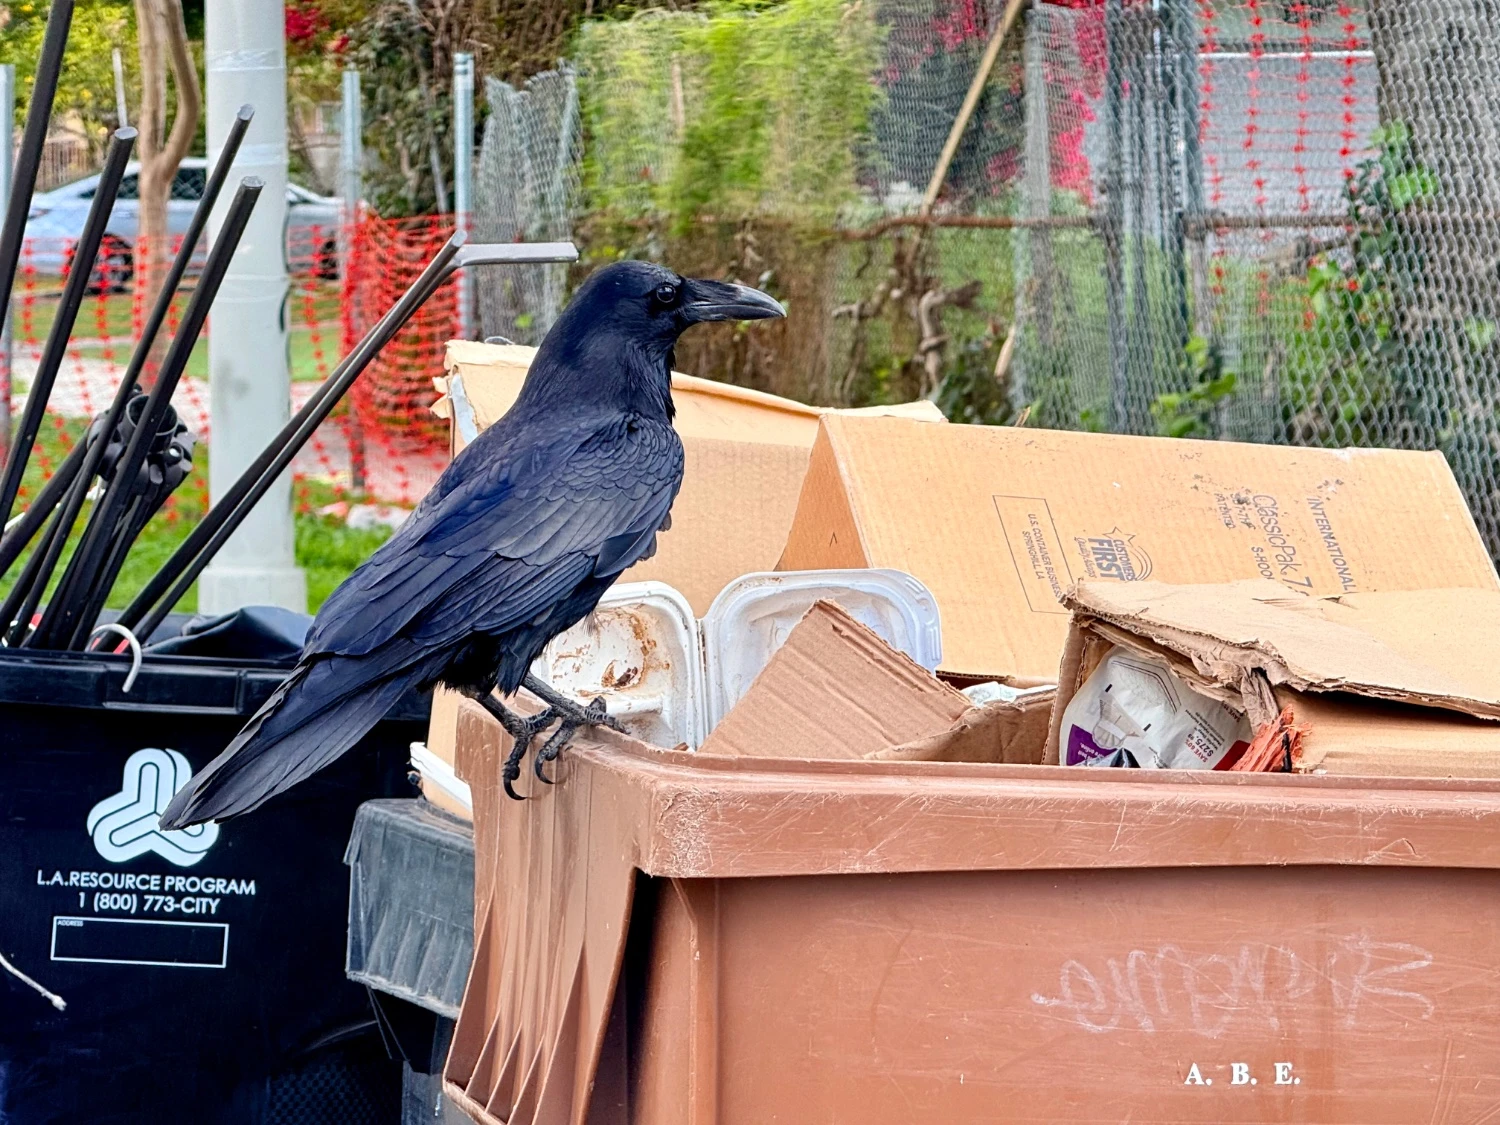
295 734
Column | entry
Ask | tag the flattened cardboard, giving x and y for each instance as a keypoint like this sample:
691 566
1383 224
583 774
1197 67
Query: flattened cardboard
999 522
1014 733
1400 683
746 455
1383 646
835 690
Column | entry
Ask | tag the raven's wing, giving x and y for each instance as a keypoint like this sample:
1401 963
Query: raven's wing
511 535
490 540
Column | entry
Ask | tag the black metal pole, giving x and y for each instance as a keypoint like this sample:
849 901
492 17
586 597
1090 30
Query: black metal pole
68 305
57 539
14 541
75 497
187 562
29 157
19 605
62 615
173 465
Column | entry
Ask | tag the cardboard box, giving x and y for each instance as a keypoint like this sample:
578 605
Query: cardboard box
746 456
1401 683
835 690
999 522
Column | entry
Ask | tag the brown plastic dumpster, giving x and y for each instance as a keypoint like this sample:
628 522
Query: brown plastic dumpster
668 939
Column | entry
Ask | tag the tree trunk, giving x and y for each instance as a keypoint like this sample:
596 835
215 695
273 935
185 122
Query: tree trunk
163 42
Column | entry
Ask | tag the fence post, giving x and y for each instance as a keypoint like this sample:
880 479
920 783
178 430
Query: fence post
1037 188
1114 219
463 176
8 108
351 188
351 162
121 112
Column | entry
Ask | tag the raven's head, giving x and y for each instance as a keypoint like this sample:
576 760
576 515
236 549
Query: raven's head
615 338
651 303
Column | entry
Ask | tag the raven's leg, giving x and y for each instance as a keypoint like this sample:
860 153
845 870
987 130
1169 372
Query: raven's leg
522 731
594 715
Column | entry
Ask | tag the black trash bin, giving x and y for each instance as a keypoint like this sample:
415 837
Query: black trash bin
203 971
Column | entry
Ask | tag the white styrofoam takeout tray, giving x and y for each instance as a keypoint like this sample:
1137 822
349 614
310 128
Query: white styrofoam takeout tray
670 678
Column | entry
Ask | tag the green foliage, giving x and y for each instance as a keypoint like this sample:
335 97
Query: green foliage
86 87
1347 361
745 108
1194 412
969 391
407 111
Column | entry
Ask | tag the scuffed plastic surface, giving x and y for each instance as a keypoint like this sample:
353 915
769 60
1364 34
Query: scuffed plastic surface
675 939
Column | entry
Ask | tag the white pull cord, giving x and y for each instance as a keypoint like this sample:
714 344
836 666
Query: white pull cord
51 997
135 650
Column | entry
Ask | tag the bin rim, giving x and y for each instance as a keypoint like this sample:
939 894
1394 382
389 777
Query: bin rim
202 685
694 816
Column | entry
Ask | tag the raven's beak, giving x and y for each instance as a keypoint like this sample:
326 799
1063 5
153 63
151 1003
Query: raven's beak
723 300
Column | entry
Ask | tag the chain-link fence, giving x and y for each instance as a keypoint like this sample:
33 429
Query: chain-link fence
1266 220
527 189
1280 225
789 146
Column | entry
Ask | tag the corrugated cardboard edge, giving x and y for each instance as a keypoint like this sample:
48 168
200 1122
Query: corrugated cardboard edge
473 352
1013 733
1238 663
888 690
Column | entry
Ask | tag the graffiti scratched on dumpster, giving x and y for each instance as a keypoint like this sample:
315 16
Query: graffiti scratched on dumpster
1248 986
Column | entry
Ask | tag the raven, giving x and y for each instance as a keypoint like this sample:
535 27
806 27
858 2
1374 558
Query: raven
516 542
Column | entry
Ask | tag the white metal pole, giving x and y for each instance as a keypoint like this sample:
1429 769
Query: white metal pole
7 155
352 188
120 111
351 157
463 176
249 382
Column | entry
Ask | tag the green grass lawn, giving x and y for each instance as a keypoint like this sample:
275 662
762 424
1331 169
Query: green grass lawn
326 548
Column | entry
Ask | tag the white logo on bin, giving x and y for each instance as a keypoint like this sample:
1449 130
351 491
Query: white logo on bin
124 825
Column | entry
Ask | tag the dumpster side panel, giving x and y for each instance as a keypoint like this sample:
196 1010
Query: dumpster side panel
1186 995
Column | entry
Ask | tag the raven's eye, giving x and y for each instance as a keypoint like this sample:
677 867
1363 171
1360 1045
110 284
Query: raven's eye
665 294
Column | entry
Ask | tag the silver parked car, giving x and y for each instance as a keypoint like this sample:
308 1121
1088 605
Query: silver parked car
57 219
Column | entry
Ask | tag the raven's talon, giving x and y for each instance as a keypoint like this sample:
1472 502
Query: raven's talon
556 742
509 792
523 732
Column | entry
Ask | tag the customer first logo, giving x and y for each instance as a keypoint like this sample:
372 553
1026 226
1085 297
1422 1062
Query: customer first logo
1114 555
124 825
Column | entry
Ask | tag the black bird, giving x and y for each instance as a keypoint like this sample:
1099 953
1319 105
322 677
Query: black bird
516 542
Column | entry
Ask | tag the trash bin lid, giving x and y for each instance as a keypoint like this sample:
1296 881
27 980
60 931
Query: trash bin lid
411 902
